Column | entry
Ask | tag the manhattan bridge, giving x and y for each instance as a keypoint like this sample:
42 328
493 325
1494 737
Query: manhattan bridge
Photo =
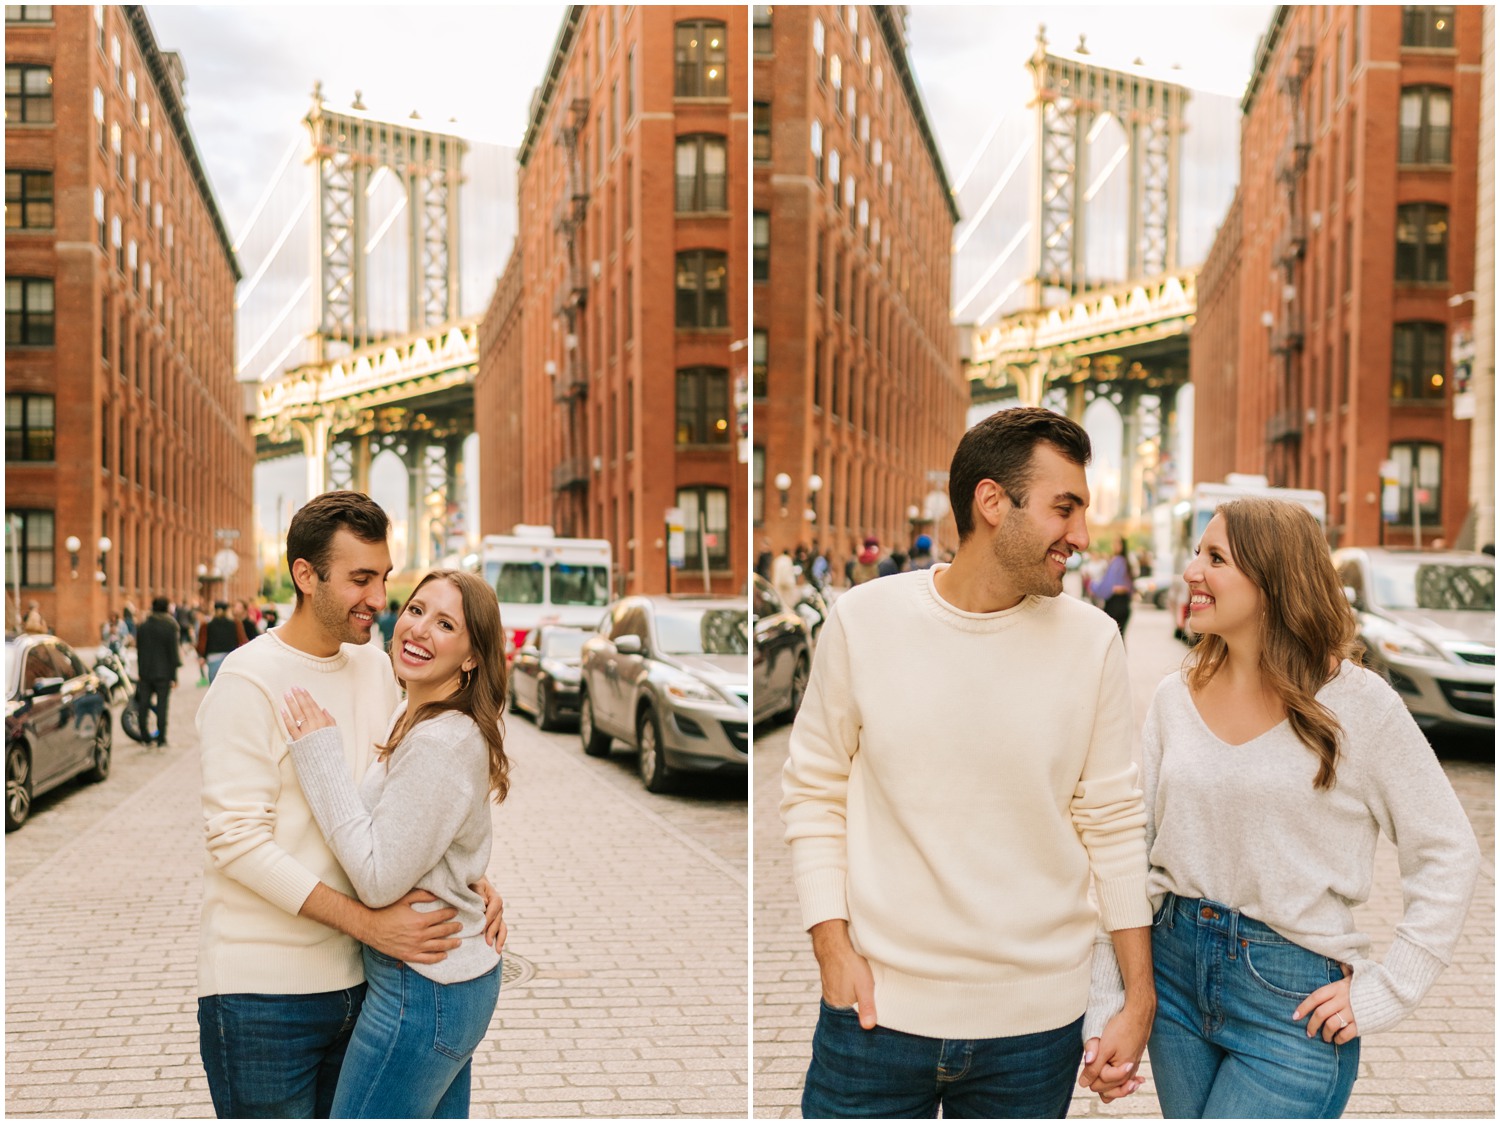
1086 215
368 262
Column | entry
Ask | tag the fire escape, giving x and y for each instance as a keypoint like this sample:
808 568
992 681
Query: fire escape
1284 429
570 475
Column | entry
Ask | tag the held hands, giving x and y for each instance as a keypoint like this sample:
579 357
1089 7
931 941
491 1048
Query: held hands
302 716
1330 1012
1111 1061
846 976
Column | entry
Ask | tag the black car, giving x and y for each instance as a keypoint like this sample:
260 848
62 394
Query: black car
57 723
544 674
783 653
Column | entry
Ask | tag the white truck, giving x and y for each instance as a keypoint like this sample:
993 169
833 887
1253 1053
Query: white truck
540 578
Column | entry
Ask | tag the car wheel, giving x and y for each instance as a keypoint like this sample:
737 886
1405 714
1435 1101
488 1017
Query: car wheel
17 785
798 687
653 763
545 718
595 742
103 742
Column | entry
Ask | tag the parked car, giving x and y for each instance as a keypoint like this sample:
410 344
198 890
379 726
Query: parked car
669 675
1154 589
783 652
57 722
1427 620
544 674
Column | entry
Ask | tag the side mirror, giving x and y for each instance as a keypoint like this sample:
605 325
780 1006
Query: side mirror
628 645
48 686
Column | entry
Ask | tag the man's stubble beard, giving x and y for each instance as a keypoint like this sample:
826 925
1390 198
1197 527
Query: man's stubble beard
1023 557
334 617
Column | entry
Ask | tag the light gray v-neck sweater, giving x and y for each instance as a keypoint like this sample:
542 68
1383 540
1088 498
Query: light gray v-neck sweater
1243 825
420 819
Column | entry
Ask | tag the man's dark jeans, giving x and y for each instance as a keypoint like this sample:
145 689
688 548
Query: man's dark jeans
270 1056
888 1073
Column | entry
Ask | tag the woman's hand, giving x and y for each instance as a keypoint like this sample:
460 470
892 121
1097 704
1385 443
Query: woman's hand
302 716
1330 1012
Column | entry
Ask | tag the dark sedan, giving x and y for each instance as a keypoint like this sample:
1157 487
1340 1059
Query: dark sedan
544 674
57 725
783 653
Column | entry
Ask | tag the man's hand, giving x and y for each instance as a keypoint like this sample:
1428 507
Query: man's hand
495 931
410 935
846 976
1111 1061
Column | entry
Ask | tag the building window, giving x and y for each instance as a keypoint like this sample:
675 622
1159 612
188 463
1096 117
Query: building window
834 175
1426 27
761 38
711 506
630 84
99 118
760 247
703 289
836 80
1422 462
702 179
702 60
1426 115
761 150
815 138
759 352
818 264
817 391
1422 242
28 13
819 50
28 312
28 200
1418 361
758 485
33 535
28 95
702 406
30 427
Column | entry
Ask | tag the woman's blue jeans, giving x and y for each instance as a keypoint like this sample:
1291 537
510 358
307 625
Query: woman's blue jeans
1224 1044
884 1073
409 1056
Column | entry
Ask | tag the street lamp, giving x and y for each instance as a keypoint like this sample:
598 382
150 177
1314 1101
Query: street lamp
101 576
783 484
73 546
814 486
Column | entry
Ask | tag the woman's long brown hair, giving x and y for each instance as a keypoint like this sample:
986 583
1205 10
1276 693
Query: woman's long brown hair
481 693
1307 628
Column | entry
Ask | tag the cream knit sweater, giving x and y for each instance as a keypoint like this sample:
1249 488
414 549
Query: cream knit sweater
953 781
265 851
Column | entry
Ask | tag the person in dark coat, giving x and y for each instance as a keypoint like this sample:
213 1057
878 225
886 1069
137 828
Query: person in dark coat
218 636
158 652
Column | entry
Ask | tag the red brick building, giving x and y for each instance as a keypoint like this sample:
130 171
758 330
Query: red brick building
500 393
632 305
123 418
1346 267
857 387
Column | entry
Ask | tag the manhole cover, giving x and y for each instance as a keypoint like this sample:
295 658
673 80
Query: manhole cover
515 970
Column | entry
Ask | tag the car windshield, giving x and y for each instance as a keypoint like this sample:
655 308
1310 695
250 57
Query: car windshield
574 584
703 632
562 643
1413 584
515 583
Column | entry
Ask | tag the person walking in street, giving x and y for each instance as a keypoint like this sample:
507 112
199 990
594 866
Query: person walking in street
866 566
387 622
158 653
945 812
280 971
420 819
217 637
33 621
784 578
1272 763
1115 587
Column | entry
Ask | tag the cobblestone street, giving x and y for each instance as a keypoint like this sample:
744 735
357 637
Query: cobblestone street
1440 1062
625 990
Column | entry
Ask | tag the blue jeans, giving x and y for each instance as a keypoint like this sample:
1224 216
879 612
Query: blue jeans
1224 1043
410 1054
214 660
275 1056
889 1073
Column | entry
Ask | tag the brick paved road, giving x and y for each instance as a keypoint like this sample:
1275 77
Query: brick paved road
630 907
1438 1063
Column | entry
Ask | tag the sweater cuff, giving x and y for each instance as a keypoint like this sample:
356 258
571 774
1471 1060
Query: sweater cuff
1106 990
1123 903
823 895
283 881
1385 992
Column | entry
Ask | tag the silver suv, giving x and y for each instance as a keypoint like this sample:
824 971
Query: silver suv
671 676
1427 620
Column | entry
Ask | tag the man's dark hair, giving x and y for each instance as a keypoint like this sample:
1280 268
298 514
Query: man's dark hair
1000 449
310 535
159 604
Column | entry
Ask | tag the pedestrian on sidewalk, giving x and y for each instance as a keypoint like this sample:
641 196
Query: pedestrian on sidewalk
280 970
1273 762
961 765
1115 588
158 653
217 637
420 819
33 621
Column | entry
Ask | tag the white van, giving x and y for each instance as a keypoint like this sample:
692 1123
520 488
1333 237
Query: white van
540 578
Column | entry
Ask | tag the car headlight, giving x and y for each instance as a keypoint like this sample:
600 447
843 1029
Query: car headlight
1393 640
691 690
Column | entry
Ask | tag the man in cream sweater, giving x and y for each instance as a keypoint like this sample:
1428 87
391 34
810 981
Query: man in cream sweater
280 975
959 769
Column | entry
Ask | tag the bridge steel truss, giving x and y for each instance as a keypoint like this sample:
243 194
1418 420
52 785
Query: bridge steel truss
347 150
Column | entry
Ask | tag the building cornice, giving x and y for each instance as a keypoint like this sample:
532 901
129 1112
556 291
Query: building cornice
891 32
1263 52
543 99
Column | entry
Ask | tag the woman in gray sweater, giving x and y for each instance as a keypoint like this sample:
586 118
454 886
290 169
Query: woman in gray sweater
420 819
1272 764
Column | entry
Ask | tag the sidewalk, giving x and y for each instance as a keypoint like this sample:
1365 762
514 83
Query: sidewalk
625 990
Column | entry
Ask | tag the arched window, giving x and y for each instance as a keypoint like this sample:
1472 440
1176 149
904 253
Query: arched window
702 60
1426 129
1419 361
703 289
702 406
706 509
702 173
1422 242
